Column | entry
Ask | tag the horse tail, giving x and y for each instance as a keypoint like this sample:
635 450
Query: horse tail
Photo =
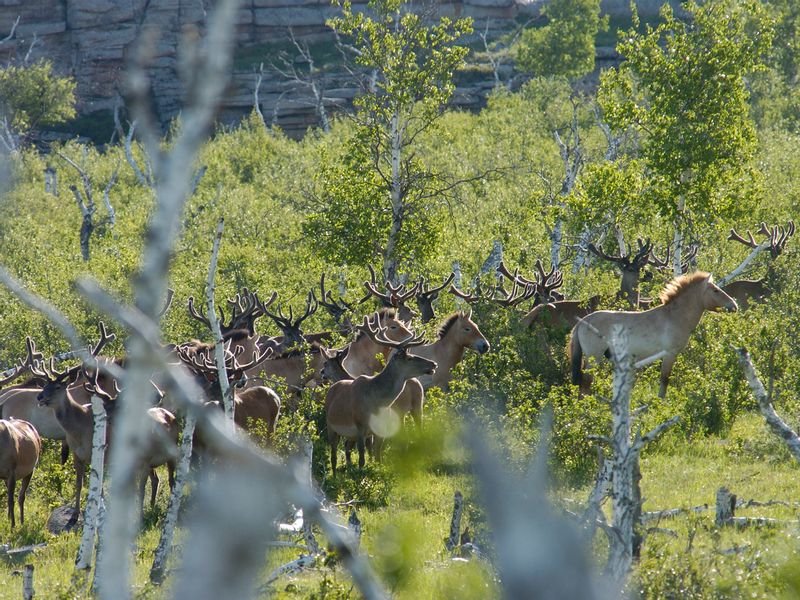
576 357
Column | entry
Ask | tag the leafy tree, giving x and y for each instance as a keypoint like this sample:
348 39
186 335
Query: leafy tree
32 96
682 88
776 90
412 66
565 46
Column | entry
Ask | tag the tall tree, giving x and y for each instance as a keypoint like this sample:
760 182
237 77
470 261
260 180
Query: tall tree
681 86
380 200
31 96
565 46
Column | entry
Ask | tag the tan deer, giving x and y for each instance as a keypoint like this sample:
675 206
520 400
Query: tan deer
354 408
20 447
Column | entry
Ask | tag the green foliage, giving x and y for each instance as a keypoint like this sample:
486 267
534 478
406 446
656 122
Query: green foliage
565 46
682 87
412 67
32 96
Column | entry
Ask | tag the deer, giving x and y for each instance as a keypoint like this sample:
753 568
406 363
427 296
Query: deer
457 333
338 309
22 403
562 313
252 406
353 407
395 296
630 265
426 296
160 447
544 285
298 368
745 291
20 448
361 358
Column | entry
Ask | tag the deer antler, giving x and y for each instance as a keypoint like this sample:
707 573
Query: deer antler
105 338
666 262
32 358
336 308
167 302
777 236
432 293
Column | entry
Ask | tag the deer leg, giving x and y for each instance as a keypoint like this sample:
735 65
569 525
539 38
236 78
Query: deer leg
333 439
348 450
377 447
11 483
23 490
171 466
142 482
80 469
153 487
666 371
362 447
64 452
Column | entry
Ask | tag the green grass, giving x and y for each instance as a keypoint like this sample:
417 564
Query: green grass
404 539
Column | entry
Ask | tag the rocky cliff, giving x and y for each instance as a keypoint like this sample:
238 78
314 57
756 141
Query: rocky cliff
92 40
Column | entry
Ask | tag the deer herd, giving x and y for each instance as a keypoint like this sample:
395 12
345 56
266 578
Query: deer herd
372 382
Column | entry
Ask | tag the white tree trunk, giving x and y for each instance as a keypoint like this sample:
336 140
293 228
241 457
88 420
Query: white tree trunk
27 583
556 240
219 346
390 253
171 520
677 241
778 426
92 510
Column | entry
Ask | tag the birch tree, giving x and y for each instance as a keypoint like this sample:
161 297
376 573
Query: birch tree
378 200
681 87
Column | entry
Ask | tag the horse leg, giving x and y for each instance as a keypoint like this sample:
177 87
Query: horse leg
11 483
23 490
666 371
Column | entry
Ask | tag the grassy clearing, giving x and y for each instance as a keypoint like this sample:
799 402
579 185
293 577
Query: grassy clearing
696 557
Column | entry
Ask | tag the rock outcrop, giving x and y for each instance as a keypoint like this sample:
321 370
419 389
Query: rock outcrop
92 40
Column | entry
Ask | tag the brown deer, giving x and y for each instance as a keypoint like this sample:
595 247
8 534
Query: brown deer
426 296
298 368
747 291
664 329
395 296
160 446
563 313
630 265
457 334
257 406
353 408
22 403
20 447
245 308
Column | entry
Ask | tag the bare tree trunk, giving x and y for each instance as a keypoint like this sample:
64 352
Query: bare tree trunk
455 523
92 511
27 583
219 346
171 520
390 253
678 238
778 426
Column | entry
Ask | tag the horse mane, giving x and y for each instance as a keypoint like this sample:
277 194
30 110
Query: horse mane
679 285
448 324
